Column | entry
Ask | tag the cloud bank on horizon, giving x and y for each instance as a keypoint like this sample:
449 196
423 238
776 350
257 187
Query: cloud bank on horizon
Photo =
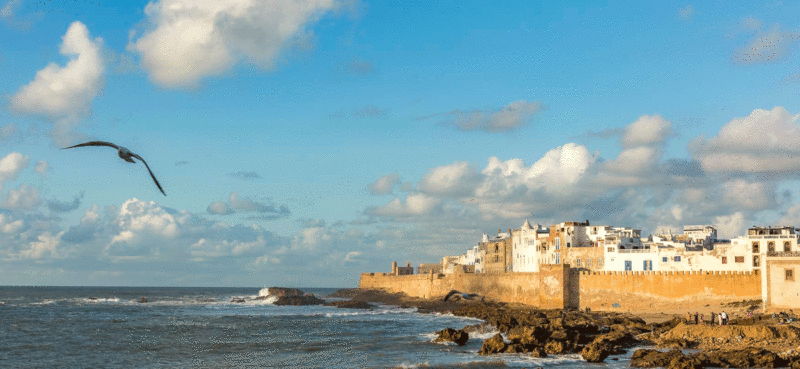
377 144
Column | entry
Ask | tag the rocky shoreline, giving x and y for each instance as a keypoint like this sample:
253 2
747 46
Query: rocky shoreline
752 340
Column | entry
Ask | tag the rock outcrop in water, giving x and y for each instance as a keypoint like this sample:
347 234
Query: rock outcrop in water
291 296
458 336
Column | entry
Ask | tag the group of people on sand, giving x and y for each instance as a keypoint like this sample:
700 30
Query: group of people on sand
716 319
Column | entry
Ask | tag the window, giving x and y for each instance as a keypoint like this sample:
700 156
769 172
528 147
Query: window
577 262
558 244
628 265
558 257
755 261
755 248
664 259
771 246
789 275
610 249
588 262
648 265
599 262
568 245
738 259
787 246
676 258
724 260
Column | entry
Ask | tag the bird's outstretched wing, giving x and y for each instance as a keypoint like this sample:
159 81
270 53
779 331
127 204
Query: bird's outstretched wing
151 173
94 143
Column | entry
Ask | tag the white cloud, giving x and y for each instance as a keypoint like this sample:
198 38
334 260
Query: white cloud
647 130
414 205
745 195
507 118
10 167
219 208
385 184
24 197
41 167
729 226
189 40
457 179
65 93
7 225
46 245
764 141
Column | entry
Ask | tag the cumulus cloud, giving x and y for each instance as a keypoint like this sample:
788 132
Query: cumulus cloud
457 179
647 130
414 205
507 118
64 94
10 167
637 188
187 40
385 184
764 141
767 47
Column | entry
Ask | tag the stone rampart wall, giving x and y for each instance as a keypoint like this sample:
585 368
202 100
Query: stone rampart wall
544 289
662 290
556 286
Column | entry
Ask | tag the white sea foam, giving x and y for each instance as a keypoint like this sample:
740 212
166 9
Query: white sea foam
98 300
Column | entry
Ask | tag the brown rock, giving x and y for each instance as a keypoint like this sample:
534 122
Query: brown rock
647 358
538 352
555 348
493 345
595 352
452 335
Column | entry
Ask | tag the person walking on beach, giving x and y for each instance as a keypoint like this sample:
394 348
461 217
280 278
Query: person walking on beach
688 318
696 317
724 318
702 321
713 316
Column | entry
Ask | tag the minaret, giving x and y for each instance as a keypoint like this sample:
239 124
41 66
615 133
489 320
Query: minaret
485 238
394 268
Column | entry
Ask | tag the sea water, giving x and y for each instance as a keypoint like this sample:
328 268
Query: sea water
109 327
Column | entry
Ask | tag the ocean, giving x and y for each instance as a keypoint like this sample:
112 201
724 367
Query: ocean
107 327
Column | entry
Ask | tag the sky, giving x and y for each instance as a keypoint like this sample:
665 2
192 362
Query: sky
301 143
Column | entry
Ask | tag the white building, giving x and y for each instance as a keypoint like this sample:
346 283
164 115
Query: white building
524 253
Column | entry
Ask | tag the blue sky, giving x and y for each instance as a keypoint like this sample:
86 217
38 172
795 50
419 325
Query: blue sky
302 143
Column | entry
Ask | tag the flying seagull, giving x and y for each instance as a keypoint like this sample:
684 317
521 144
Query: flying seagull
125 154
